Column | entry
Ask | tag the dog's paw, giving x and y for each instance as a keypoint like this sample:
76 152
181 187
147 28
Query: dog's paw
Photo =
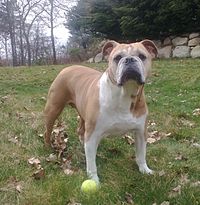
94 177
145 170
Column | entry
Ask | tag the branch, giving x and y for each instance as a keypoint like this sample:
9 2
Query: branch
31 24
30 8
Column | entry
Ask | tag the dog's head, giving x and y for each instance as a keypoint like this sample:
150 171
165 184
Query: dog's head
129 61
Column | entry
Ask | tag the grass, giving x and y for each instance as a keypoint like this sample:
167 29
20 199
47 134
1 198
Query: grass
173 92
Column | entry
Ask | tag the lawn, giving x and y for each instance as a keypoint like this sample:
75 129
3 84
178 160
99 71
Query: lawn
173 97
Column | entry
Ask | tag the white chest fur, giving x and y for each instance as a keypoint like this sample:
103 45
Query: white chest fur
115 116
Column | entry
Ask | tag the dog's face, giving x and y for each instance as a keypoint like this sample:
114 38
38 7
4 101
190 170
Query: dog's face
129 61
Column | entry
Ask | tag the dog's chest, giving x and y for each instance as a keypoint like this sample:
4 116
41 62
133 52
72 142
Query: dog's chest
117 122
115 116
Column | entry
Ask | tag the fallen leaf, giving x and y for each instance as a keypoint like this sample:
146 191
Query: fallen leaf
73 203
14 139
129 139
151 140
40 135
68 171
167 134
129 198
39 174
196 145
60 139
184 179
155 74
33 114
19 115
153 137
12 185
161 173
195 184
187 123
66 164
180 157
175 191
4 98
19 188
196 112
165 203
67 167
52 158
27 109
43 98
35 162
152 123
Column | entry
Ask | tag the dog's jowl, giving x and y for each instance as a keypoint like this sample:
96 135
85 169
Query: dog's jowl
108 103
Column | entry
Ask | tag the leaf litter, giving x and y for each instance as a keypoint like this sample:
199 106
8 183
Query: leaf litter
13 185
59 144
196 112
129 198
153 137
39 173
183 181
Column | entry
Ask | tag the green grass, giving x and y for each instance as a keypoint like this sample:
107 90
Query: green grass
173 92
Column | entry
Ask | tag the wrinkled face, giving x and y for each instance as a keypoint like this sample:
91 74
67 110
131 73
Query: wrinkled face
130 62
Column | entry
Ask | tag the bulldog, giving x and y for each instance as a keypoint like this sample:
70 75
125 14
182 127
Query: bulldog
112 102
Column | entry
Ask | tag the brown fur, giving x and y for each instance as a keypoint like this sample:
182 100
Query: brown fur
63 91
78 86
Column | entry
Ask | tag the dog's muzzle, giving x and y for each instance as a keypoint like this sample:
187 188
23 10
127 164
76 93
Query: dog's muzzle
131 71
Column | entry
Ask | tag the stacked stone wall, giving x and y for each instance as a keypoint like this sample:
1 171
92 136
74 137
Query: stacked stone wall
184 46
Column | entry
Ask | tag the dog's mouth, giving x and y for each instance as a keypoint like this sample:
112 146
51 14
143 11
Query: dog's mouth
131 74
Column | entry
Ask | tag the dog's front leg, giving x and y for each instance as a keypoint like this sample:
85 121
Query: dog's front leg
91 146
140 143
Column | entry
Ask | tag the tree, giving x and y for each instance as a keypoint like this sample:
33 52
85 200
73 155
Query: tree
8 24
54 10
29 10
135 19
22 30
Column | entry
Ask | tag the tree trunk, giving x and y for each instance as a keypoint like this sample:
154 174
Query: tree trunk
6 49
28 50
52 34
11 23
22 61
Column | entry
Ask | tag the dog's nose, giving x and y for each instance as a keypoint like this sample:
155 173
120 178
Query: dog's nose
129 60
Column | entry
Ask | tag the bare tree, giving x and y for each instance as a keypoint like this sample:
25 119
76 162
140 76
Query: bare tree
29 12
54 10
23 26
8 25
4 40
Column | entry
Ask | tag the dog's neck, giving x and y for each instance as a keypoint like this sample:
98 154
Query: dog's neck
121 96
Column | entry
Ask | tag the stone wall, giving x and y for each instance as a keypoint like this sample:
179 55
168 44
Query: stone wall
180 46
184 46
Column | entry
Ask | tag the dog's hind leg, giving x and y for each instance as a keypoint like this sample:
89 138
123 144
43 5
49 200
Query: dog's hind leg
54 106
81 129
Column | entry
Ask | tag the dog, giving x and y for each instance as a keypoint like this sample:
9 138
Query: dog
112 102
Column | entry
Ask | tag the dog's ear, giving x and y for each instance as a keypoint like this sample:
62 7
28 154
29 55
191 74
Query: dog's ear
151 47
108 47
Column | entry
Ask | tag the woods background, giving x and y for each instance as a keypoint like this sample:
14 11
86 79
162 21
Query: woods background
24 39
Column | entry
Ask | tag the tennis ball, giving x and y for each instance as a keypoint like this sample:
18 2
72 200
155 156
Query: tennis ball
89 186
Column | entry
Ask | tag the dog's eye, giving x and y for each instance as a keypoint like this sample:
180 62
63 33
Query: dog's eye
118 58
142 57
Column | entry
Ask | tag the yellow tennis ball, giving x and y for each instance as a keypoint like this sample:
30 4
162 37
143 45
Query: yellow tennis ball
89 186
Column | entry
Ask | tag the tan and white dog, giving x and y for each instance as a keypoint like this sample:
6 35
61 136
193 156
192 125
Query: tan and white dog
108 103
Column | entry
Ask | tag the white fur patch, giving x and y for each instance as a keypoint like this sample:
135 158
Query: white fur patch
115 116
